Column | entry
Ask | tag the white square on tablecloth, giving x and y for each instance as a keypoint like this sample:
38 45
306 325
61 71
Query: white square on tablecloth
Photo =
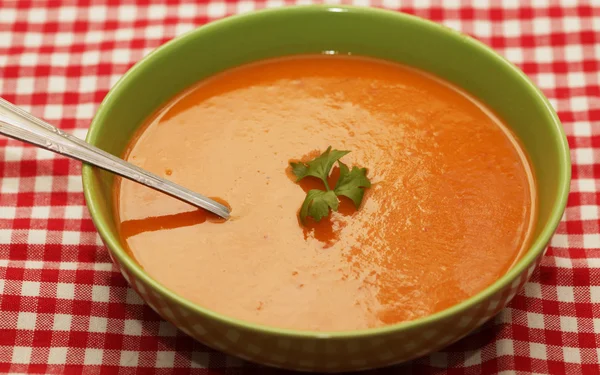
84 111
43 184
30 288
52 111
535 320
274 3
565 294
542 25
98 324
576 79
5 39
34 264
25 85
65 290
543 54
13 153
97 13
62 322
33 39
7 15
57 84
482 29
510 4
157 11
21 354
91 57
184 28
132 327
63 39
216 9
74 184
123 56
586 185
568 324
579 103
92 37
538 351
124 34
563 262
67 14
453 24
473 358
40 212
504 347
248 6
129 358
571 355
100 293
29 59
154 32
36 237
591 241
88 84
127 12
582 129
511 28
8 212
584 156
165 359
26 320
545 80
560 240
571 24
74 212
93 356
589 212
133 298
57 356
68 266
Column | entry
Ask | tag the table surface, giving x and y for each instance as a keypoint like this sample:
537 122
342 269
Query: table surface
65 309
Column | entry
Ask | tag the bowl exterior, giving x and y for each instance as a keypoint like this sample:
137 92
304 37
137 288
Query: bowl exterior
369 32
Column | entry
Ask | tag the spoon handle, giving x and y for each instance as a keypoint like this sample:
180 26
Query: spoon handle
18 124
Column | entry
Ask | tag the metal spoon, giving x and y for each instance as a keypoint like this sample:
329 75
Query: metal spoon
19 124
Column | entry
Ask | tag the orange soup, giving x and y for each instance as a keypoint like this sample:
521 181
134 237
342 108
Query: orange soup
449 211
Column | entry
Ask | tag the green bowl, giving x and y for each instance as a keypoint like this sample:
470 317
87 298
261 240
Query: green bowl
314 29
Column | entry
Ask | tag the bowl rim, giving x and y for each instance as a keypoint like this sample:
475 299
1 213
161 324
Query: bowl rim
535 249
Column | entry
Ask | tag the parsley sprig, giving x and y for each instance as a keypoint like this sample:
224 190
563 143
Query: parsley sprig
351 184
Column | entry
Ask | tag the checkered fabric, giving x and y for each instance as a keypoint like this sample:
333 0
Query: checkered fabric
64 308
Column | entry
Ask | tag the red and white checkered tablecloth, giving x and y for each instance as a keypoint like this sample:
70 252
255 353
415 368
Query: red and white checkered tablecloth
65 309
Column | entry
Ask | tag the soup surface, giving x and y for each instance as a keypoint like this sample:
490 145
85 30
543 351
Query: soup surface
449 211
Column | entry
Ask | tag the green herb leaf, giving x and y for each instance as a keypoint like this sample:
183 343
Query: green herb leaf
352 183
317 204
300 170
318 167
